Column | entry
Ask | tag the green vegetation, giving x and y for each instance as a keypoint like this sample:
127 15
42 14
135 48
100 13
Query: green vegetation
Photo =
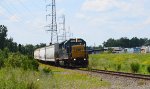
14 70
148 68
16 78
56 78
9 44
18 70
137 63
17 60
21 72
118 67
68 79
135 67
47 70
126 42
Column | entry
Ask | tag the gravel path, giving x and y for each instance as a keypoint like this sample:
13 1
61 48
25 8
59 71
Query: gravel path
118 82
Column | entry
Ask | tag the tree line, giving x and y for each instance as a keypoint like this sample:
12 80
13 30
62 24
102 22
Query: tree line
9 44
126 42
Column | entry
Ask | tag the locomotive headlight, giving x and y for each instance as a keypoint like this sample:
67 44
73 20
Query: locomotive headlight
84 59
74 59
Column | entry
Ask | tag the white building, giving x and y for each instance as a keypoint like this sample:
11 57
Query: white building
145 49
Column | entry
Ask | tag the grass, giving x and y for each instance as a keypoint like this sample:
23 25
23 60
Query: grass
17 79
68 79
56 78
120 62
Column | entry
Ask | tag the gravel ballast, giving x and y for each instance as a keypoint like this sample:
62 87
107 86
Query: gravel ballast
119 82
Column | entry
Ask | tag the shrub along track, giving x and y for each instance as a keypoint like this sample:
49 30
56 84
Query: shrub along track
116 81
123 74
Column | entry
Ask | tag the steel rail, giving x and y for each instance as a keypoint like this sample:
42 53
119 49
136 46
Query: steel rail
123 74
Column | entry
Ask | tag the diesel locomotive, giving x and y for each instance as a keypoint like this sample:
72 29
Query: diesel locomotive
71 52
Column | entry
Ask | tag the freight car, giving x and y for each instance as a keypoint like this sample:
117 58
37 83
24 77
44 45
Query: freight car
71 52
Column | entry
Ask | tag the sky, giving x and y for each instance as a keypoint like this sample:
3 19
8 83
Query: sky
93 20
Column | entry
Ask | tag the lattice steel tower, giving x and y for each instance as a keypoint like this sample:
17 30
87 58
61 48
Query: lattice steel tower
64 29
51 18
62 36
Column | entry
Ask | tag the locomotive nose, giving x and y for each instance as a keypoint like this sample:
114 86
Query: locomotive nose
78 51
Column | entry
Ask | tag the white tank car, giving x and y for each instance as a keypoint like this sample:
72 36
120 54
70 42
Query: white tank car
48 53
36 54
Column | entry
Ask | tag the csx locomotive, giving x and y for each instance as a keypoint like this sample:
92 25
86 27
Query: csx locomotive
71 52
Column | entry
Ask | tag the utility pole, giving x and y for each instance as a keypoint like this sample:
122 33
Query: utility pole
51 16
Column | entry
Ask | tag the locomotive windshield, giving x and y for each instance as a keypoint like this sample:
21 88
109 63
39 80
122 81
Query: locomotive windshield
72 42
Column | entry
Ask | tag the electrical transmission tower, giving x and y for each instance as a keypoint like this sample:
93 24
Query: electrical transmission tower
64 28
63 36
51 20
63 33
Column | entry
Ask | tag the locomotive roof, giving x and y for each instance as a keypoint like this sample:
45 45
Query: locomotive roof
73 40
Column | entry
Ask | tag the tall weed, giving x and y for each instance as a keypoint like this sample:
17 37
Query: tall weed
135 67
15 78
148 68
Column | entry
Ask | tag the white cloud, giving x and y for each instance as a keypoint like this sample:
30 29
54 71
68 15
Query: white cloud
113 18
14 18
132 6
117 14
98 5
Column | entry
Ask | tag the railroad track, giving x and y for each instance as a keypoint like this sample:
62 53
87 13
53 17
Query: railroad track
129 75
123 74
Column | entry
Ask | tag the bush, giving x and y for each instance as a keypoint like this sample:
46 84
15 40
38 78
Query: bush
2 58
135 67
47 70
118 67
17 60
110 50
148 68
